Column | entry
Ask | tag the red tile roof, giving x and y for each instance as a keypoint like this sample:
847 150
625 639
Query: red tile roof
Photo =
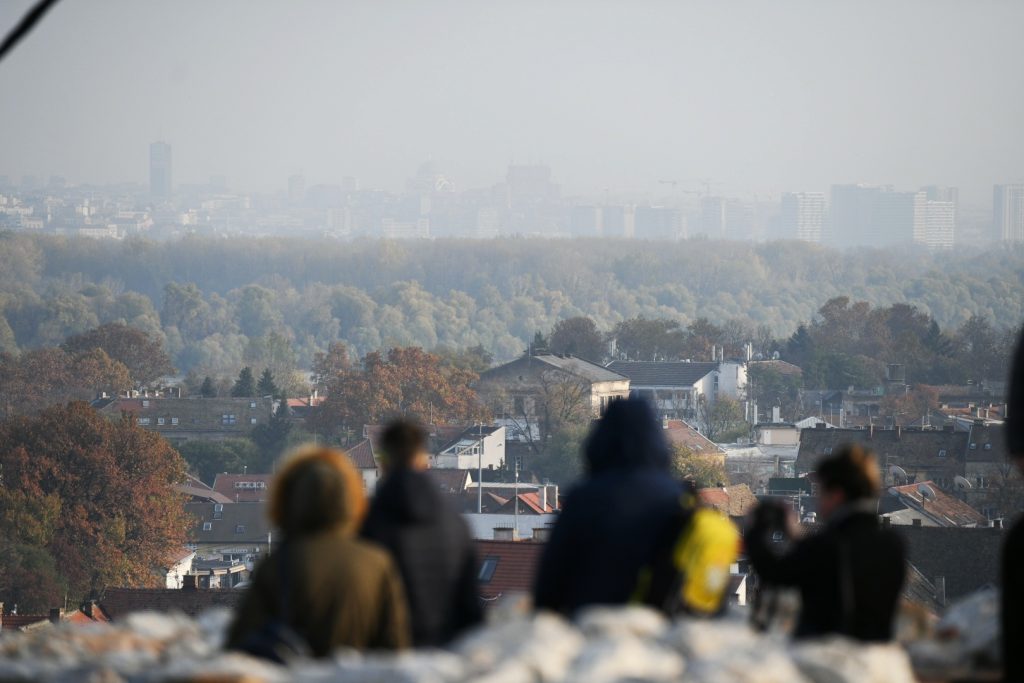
735 501
943 508
514 566
11 622
362 455
679 433
243 488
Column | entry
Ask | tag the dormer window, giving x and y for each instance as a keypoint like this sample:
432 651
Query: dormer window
207 526
942 453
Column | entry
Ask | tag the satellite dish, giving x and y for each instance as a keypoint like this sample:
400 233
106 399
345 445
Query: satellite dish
893 491
962 483
897 471
926 491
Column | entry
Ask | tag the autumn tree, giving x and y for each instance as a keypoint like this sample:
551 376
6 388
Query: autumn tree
578 337
42 377
144 356
329 365
645 339
245 385
408 382
721 418
93 495
912 407
703 470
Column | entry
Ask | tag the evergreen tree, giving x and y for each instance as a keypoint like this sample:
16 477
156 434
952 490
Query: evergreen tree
266 385
245 385
208 389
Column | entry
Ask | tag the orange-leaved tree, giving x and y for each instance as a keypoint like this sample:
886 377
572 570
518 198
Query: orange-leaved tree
87 502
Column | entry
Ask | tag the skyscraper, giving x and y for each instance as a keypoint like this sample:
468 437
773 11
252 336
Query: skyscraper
876 216
160 170
803 216
1008 212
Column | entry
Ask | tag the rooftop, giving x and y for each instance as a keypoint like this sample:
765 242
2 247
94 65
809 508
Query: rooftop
507 566
662 373
243 488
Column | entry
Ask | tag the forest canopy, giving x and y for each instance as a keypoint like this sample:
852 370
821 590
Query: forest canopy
217 305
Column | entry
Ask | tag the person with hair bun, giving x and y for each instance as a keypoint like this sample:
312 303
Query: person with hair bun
849 574
322 588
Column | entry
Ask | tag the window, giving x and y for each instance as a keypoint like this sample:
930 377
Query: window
828 450
227 419
252 420
239 528
207 526
174 420
218 507
974 446
145 404
218 515
988 447
519 405
942 452
161 421
144 420
252 404
487 568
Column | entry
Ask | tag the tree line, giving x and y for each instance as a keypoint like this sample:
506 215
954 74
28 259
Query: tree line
217 306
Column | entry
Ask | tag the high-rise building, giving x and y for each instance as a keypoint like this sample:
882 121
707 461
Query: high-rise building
618 221
875 216
659 223
803 216
160 170
296 188
940 224
1008 212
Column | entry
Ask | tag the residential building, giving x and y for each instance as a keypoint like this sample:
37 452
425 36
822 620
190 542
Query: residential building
1008 212
243 488
659 223
181 419
507 568
232 531
524 390
618 221
179 566
364 457
160 178
803 216
940 225
480 446
680 433
876 216
925 504
676 388
736 500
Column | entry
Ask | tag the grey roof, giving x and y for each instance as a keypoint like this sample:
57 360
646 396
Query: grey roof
581 368
662 374
251 517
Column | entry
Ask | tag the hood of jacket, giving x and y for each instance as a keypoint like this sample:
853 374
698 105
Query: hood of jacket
628 436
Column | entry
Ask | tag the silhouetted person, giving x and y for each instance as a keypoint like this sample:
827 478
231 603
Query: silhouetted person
1013 548
615 521
850 573
322 584
428 539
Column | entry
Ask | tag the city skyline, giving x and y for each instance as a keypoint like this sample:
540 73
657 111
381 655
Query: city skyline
760 99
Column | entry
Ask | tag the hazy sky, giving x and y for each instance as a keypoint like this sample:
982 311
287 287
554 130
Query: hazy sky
761 96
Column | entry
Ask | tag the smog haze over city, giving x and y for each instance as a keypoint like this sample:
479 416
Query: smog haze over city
614 96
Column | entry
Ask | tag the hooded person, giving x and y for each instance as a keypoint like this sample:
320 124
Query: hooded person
615 521
322 588
849 574
427 538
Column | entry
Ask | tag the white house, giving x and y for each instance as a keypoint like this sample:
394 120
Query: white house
476 447
676 387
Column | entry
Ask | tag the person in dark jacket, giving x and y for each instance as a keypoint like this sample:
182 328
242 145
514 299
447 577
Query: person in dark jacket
851 573
615 521
322 585
428 539
1013 547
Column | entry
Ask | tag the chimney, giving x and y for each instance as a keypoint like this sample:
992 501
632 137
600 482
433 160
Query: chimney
543 498
504 534
871 431
188 582
940 590
552 497
56 614
886 522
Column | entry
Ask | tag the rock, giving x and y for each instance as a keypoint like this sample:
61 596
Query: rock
840 660
545 643
625 657
633 620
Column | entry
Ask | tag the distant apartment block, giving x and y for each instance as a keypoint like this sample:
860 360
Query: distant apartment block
940 225
876 216
160 178
1008 212
803 215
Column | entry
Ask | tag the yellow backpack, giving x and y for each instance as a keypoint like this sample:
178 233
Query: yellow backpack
706 550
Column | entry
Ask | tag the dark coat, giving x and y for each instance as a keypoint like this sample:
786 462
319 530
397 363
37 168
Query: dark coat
341 592
1013 547
614 523
875 569
434 553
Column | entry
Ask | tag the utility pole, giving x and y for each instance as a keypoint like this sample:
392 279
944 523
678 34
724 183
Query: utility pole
515 534
480 473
